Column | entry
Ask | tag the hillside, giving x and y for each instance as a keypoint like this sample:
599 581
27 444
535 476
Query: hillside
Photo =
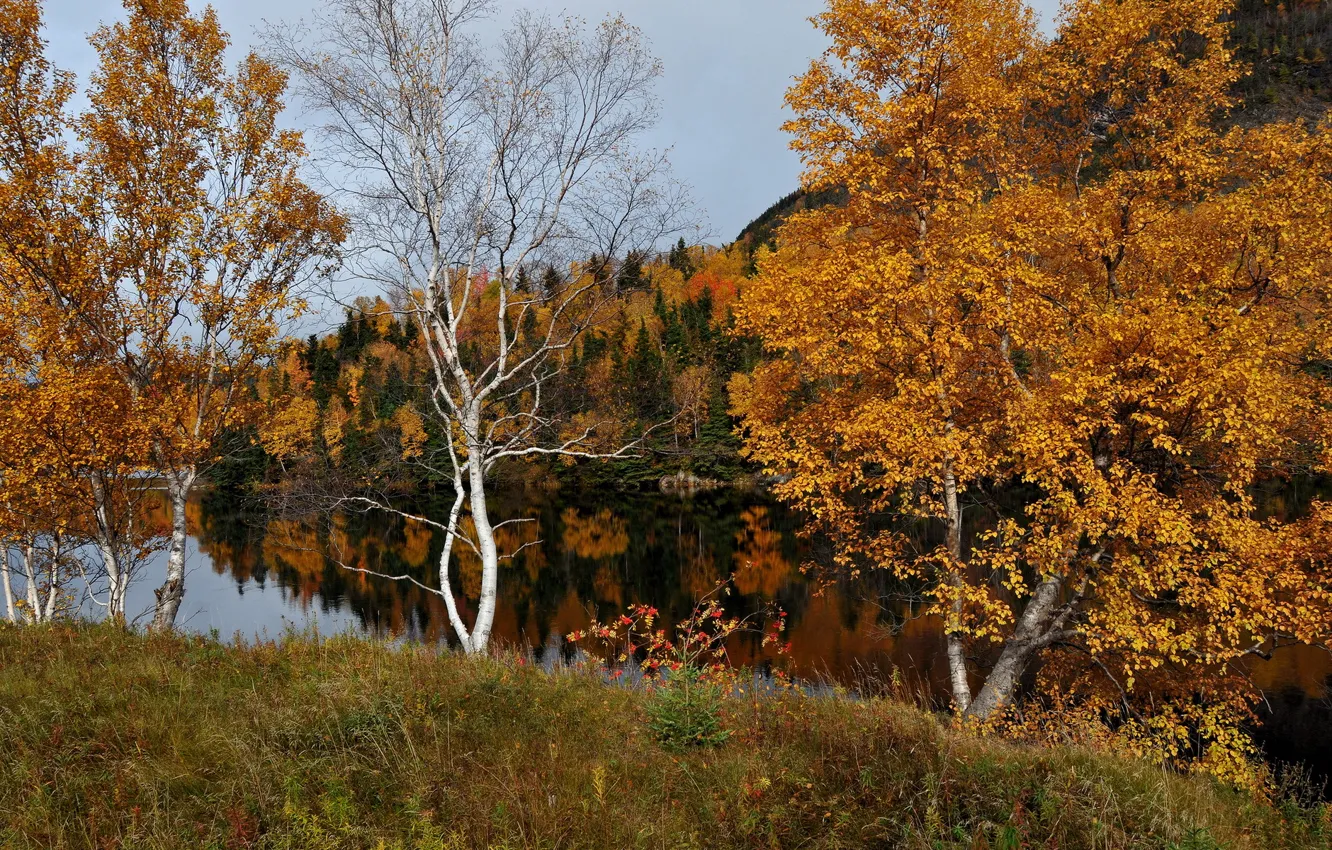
355 403
116 739
1287 45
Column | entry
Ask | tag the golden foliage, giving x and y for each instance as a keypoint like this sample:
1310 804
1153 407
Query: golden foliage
411 430
148 249
1054 271
289 431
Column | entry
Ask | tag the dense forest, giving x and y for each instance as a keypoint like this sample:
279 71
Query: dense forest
348 403
343 400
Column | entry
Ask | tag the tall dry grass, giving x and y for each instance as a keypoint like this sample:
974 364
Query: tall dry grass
115 739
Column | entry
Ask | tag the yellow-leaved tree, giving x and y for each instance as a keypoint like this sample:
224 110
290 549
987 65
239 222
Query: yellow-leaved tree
157 243
1058 280
73 439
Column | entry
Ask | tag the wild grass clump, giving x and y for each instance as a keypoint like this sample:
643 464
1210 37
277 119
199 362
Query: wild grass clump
115 739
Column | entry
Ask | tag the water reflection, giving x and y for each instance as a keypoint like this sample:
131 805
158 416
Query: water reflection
575 560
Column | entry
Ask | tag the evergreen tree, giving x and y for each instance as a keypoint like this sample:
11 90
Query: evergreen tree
630 276
393 394
644 377
551 281
681 261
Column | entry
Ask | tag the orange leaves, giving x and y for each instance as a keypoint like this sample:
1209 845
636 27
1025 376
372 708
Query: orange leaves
149 247
181 224
908 94
1078 301
206 224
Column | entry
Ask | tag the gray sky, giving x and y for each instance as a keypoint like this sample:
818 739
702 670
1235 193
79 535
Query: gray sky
727 65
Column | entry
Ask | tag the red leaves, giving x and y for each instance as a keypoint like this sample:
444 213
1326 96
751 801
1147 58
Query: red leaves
700 640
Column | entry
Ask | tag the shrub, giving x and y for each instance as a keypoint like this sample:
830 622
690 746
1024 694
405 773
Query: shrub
685 711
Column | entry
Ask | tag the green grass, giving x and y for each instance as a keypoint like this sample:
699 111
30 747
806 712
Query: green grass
113 739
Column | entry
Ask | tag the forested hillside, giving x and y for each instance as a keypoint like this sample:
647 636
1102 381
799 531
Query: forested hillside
349 403
1287 46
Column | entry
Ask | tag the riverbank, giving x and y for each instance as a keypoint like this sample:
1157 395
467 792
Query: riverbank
115 739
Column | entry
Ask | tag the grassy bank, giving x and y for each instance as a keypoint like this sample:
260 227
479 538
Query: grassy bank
109 739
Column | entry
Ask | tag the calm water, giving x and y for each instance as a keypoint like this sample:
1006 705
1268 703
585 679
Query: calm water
254 574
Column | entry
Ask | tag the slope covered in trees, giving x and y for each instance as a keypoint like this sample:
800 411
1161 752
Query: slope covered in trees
348 403
1288 46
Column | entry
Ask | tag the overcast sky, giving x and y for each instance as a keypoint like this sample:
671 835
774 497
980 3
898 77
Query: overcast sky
727 64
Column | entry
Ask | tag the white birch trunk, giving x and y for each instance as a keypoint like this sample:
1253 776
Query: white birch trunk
51 596
9 587
956 643
446 587
117 576
30 580
485 544
1030 635
172 591
117 582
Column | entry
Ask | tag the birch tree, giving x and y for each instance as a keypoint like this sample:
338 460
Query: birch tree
208 229
157 242
1056 277
472 166
72 442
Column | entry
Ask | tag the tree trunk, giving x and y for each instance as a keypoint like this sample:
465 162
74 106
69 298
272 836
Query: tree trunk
1030 636
9 588
117 578
172 591
485 542
46 613
445 586
957 656
117 583
30 577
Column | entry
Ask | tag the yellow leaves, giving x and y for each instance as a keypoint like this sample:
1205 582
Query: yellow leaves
351 377
336 418
147 252
411 431
289 431
1052 270
942 66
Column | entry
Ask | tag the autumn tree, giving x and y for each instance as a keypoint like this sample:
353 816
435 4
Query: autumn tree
1055 278
473 168
189 231
72 441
